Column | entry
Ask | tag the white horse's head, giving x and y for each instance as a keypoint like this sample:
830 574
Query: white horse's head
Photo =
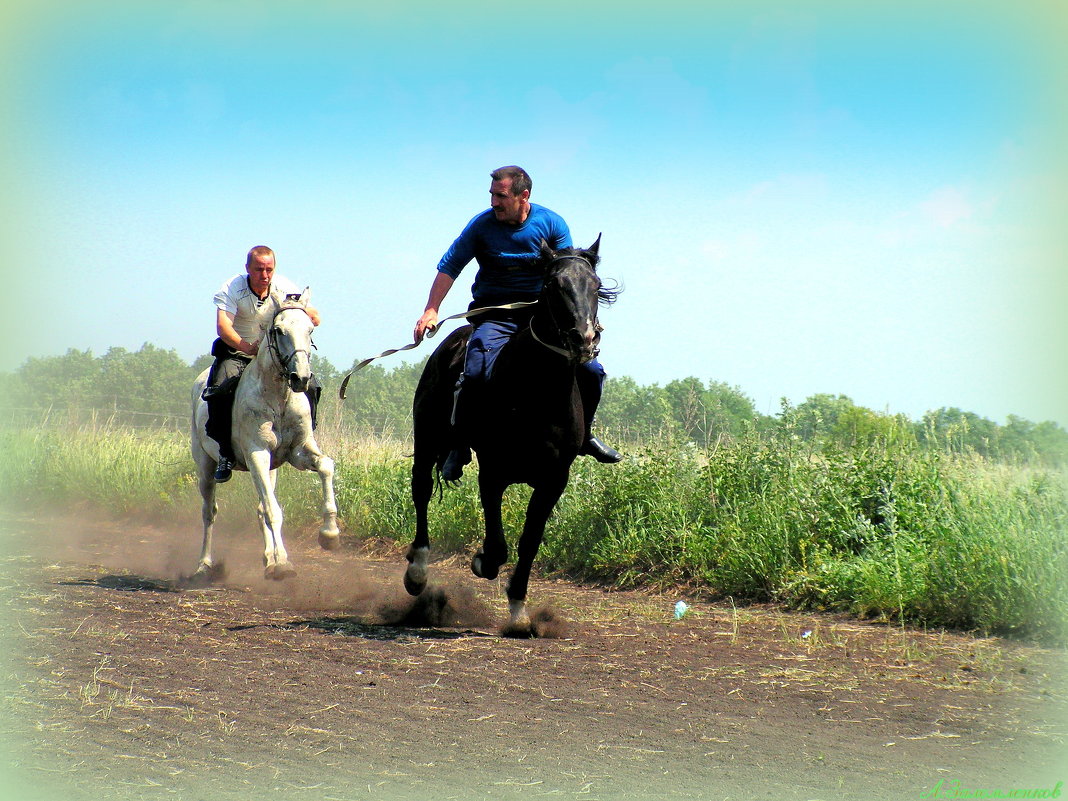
288 337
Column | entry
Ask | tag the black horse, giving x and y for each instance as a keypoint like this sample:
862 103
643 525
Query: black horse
530 426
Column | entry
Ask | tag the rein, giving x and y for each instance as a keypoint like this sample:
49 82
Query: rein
562 351
430 333
567 354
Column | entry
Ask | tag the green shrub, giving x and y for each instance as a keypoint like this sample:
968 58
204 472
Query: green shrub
885 529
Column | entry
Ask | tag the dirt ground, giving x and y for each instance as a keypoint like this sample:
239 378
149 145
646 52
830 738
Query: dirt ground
120 684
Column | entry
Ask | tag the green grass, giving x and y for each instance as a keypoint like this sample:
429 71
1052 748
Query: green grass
886 530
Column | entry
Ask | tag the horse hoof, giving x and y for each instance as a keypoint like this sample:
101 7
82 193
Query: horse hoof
414 580
483 569
519 624
519 631
205 576
280 572
329 541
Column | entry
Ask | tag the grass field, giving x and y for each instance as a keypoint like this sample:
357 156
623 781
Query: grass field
891 531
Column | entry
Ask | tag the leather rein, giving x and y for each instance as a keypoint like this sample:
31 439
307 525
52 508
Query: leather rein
284 364
431 332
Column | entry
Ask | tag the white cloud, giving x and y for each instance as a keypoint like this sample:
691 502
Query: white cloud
946 206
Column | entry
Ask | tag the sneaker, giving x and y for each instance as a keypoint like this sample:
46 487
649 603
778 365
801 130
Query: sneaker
601 452
224 470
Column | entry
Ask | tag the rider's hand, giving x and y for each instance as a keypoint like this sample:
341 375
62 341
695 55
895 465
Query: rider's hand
253 348
428 322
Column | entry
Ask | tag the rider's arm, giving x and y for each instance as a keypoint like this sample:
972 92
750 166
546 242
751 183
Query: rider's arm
224 325
438 290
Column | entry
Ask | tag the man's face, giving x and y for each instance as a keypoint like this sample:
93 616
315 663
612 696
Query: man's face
260 271
507 207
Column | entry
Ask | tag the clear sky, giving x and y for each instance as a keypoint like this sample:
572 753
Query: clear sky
858 198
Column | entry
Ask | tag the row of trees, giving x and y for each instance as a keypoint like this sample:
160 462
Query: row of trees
151 386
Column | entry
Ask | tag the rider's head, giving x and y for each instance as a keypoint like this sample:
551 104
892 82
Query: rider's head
260 268
510 194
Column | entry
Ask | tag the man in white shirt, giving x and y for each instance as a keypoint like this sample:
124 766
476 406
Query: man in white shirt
236 304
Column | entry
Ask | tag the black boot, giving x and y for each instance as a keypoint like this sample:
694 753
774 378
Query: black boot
599 451
590 384
453 468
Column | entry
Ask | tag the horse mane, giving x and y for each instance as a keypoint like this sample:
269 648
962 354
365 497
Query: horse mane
606 295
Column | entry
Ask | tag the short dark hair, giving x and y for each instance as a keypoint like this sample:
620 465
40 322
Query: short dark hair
257 252
519 177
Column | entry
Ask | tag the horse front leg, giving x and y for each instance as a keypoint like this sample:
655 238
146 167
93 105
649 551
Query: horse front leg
494 551
329 536
309 457
418 556
275 559
542 502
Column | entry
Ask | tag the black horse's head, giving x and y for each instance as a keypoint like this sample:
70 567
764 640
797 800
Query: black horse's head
567 309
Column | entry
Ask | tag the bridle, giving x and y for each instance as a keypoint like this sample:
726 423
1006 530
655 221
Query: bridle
566 352
284 364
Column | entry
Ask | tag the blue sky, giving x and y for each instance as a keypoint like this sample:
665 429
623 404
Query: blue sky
851 198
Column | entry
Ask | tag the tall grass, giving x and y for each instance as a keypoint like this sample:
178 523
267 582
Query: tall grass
885 530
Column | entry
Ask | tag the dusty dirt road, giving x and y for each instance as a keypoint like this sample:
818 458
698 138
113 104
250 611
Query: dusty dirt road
118 684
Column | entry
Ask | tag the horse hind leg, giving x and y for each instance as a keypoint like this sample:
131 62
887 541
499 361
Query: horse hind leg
494 551
418 556
207 571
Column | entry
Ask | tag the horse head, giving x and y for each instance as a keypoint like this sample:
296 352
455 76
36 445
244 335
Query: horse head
567 307
288 336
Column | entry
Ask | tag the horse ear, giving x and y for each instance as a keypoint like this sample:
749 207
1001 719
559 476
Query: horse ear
595 246
305 296
545 251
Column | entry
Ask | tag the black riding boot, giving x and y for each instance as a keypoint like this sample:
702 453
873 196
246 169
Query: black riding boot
589 387
220 400
460 454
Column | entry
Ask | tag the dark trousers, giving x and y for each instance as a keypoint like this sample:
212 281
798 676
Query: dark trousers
487 339
219 395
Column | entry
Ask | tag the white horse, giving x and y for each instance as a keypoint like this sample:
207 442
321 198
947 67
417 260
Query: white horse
271 426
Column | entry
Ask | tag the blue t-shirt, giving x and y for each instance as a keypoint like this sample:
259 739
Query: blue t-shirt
506 254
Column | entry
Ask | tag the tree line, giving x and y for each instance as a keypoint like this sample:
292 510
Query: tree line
151 386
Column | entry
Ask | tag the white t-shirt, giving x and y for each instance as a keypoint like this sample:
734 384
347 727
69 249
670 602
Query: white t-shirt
238 299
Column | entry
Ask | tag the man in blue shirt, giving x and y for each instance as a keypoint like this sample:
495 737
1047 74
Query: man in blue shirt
505 242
